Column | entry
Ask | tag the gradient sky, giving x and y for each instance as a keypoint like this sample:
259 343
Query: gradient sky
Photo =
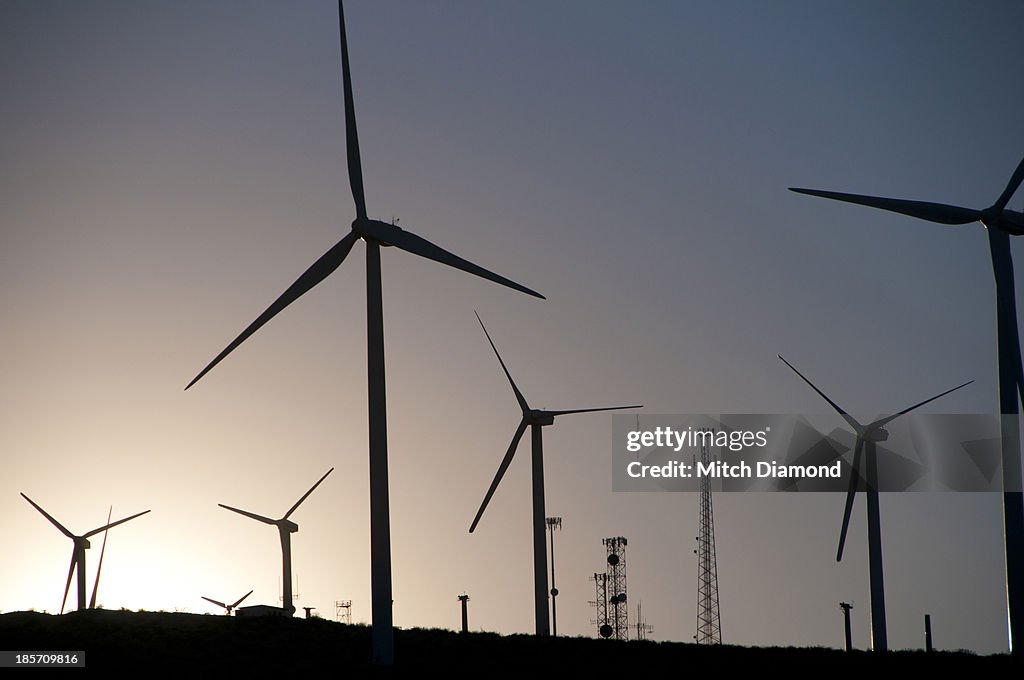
169 168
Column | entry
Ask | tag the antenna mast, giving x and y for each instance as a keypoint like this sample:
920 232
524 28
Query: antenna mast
619 615
709 624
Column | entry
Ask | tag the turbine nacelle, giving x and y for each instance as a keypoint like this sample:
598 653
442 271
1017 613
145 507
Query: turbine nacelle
1010 221
539 417
876 434
287 525
374 230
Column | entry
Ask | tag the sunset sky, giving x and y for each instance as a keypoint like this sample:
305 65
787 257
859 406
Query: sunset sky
167 169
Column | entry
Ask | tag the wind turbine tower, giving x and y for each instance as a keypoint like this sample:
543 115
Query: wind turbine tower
868 437
1000 224
285 528
536 420
81 544
709 622
376 235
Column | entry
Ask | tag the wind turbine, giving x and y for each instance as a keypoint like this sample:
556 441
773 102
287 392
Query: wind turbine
285 528
376 234
99 567
1000 224
227 607
536 419
78 552
868 437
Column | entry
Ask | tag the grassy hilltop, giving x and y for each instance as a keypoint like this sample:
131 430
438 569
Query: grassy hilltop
206 644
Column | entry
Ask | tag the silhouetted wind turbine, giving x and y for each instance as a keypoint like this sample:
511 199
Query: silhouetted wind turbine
867 438
1000 224
535 419
285 528
99 567
376 234
227 607
78 552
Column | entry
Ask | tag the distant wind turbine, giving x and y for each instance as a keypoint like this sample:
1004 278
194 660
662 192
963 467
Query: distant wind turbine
99 567
535 419
1000 224
285 528
78 552
376 234
868 437
227 607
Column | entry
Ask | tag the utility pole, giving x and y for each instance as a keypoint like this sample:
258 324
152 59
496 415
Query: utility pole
846 607
553 523
465 613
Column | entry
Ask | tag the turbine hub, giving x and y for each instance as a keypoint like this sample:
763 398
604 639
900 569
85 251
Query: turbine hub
990 217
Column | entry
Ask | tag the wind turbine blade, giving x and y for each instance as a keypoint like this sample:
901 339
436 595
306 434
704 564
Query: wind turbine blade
1020 382
306 495
327 263
589 410
219 604
1011 187
932 212
851 493
883 421
99 568
67 586
355 167
52 520
846 416
239 600
253 515
519 395
114 524
418 245
501 471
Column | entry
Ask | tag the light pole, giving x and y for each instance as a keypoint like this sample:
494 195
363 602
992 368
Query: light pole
553 523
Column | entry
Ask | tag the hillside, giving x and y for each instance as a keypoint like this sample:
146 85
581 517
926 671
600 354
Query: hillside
208 644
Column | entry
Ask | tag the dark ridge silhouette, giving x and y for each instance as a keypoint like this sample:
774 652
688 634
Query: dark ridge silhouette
209 644
536 419
868 437
1000 224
